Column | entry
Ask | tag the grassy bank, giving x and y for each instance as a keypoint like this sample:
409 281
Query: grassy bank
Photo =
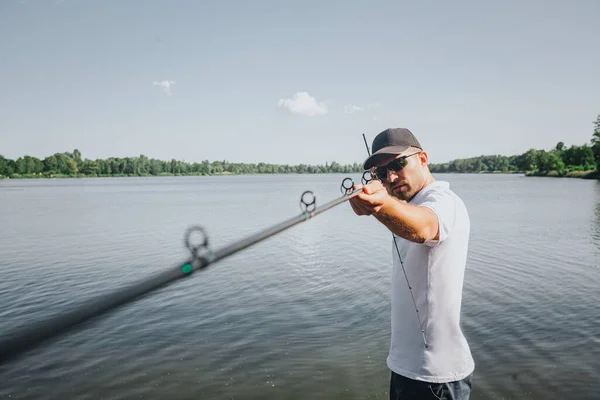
590 174
64 176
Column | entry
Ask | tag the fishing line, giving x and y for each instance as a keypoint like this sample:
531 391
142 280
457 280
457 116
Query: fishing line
411 292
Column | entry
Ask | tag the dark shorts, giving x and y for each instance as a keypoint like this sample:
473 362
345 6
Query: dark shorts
402 388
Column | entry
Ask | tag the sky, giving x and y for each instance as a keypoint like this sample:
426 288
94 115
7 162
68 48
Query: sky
295 82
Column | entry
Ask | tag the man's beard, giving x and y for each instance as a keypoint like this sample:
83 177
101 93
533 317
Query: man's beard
401 195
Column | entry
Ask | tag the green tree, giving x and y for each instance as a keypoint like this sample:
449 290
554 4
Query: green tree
20 166
65 164
3 166
77 158
29 165
554 163
579 157
50 165
528 161
596 142
541 160
89 167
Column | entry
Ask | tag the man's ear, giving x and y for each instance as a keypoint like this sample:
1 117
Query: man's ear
423 157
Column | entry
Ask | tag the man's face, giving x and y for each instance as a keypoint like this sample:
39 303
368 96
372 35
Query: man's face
406 182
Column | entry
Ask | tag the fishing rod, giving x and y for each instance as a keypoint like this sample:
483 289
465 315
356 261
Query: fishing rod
201 256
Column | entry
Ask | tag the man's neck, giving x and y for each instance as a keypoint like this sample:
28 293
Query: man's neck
428 180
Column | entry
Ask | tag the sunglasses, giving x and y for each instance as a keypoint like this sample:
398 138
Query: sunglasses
394 166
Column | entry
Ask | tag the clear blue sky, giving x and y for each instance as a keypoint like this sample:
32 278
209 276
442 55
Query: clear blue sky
252 81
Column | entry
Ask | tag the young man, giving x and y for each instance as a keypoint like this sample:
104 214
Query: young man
429 357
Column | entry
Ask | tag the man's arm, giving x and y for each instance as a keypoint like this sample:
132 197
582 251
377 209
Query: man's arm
414 223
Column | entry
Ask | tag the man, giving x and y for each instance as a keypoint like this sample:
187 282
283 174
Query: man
429 357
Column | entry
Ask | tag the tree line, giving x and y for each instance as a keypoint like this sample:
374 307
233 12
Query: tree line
69 164
559 161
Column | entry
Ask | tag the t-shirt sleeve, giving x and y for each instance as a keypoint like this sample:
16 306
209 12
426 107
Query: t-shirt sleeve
443 204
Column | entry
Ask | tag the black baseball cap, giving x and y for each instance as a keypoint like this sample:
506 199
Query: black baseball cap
392 141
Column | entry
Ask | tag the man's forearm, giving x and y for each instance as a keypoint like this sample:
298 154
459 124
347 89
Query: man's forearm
413 223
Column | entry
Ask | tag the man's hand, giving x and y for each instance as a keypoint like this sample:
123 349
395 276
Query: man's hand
372 198
415 223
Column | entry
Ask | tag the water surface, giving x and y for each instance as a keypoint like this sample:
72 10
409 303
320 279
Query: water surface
304 314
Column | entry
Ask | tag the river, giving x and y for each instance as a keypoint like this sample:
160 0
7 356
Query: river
304 314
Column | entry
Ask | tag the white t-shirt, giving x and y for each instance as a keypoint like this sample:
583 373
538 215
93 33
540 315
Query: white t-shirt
435 270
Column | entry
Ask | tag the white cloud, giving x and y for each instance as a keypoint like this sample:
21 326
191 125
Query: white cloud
373 105
352 109
166 85
304 104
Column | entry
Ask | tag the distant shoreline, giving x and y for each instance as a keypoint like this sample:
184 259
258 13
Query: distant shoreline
591 174
561 161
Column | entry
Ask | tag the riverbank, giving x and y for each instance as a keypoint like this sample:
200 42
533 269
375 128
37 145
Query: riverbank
64 176
592 174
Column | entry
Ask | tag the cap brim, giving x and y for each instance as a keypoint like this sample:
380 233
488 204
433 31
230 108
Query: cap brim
383 153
